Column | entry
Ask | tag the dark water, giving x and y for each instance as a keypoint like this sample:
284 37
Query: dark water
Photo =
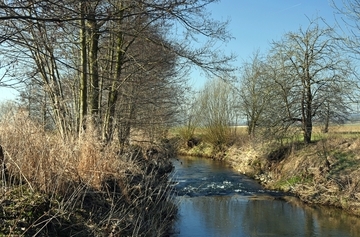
215 201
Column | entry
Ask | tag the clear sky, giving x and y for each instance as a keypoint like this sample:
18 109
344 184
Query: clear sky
256 23
7 94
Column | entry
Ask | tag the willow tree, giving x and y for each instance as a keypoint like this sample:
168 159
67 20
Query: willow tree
216 111
308 69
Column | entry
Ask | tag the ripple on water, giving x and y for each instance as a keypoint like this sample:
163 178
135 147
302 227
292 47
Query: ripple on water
214 201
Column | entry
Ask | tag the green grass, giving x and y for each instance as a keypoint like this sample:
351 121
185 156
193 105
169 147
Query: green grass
344 161
288 183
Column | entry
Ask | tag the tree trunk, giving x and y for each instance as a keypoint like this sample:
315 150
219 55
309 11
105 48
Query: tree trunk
94 68
327 118
83 74
125 125
308 111
326 127
307 131
43 111
113 94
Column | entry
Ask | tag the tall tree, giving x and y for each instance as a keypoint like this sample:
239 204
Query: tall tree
256 92
308 69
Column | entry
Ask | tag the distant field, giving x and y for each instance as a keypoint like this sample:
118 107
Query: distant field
346 130
353 128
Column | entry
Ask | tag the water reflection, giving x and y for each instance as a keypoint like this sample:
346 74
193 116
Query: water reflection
248 213
242 216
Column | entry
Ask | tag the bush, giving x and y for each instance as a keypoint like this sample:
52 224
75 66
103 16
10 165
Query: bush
187 136
218 136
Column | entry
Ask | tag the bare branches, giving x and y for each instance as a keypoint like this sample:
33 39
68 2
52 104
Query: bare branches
308 79
119 61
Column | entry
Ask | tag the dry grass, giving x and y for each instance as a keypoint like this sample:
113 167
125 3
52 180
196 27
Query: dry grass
79 186
47 163
324 172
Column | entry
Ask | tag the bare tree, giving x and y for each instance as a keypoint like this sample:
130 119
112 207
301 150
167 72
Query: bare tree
216 111
310 68
348 24
256 93
90 55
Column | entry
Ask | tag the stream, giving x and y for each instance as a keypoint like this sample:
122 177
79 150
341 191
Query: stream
214 200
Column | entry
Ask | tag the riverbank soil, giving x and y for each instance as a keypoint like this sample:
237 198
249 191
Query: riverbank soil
325 172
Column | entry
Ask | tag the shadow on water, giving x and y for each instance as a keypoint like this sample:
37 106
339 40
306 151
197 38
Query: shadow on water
215 201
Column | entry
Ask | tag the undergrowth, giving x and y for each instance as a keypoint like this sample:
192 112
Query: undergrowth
79 186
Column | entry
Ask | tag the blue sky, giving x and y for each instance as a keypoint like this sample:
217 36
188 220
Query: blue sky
7 94
256 23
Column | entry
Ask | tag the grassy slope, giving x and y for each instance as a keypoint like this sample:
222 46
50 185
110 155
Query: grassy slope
325 172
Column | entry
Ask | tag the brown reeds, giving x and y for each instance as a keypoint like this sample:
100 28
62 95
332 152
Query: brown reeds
78 187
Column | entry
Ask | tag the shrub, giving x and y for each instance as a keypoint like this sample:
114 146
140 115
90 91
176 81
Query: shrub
219 136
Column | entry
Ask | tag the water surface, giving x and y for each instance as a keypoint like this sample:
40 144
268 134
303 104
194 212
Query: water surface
216 201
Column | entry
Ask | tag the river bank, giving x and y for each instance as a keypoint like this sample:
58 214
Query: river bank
78 186
135 201
325 172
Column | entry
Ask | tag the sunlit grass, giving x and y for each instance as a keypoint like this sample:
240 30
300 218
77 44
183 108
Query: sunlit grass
294 134
79 186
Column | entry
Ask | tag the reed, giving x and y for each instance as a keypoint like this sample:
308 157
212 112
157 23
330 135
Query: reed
79 187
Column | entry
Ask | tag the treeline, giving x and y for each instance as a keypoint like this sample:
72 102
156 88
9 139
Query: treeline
308 78
115 65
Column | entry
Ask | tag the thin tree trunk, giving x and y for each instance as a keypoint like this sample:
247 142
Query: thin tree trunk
108 128
327 119
113 94
125 125
94 68
83 74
